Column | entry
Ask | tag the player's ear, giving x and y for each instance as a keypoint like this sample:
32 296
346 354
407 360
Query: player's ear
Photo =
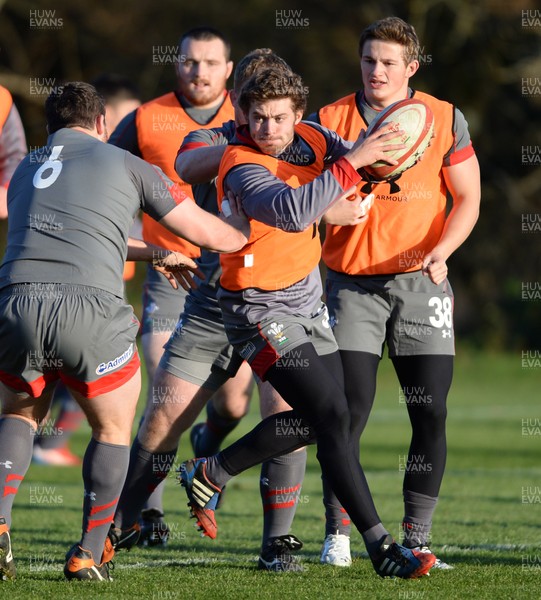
298 116
412 68
229 68
100 124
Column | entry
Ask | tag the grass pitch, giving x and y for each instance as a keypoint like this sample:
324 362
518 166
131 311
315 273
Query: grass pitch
487 524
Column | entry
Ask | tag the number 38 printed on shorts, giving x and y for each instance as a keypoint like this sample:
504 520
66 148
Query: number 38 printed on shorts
443 312
49 171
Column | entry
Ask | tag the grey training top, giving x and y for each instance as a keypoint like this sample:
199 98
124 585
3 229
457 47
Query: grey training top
125 136
270 200
71 204
204 297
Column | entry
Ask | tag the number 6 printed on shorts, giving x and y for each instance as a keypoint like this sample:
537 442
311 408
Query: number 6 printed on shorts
55 165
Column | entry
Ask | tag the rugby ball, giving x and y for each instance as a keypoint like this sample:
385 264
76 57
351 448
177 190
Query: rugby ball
416 120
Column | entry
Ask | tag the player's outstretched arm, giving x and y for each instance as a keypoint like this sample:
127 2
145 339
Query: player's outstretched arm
200 227
174 209
201 152
199 165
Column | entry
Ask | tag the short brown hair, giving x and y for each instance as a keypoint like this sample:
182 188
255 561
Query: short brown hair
274 84
74 104
256 60
393 29
206 34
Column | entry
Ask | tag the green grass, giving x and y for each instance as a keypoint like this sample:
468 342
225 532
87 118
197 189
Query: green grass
487 523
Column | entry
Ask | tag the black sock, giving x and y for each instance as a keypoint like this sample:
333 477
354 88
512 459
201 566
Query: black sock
213 432
146 471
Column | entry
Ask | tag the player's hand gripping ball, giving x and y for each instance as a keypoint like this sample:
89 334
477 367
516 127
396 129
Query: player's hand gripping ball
416 120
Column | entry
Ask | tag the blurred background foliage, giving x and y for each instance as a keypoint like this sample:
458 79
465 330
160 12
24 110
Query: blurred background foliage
484 56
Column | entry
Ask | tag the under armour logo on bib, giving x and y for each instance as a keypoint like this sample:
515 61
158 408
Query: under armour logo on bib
369 185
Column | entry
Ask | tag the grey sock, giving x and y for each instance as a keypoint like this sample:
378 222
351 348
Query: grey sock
417 522
280 489
216 473
104 471
155 500
336 518
373 538
16 444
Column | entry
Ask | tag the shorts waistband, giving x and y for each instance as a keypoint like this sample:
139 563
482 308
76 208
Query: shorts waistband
380 277
21 289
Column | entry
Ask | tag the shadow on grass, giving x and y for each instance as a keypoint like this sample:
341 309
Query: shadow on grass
480 558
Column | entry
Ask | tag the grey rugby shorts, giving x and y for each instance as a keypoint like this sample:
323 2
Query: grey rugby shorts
266 342
78 334
407 311
162 304
198 350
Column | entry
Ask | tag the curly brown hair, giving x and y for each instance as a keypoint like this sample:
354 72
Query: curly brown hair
256 60
274 84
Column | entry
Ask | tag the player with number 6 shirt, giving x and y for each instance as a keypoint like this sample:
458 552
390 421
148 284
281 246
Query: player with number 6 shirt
62 311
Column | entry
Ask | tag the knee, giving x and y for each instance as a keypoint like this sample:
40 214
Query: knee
270 401
233 412
430 416
359 419
231 404
333 421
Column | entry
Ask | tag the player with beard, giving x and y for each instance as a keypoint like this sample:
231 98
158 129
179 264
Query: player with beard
154 132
